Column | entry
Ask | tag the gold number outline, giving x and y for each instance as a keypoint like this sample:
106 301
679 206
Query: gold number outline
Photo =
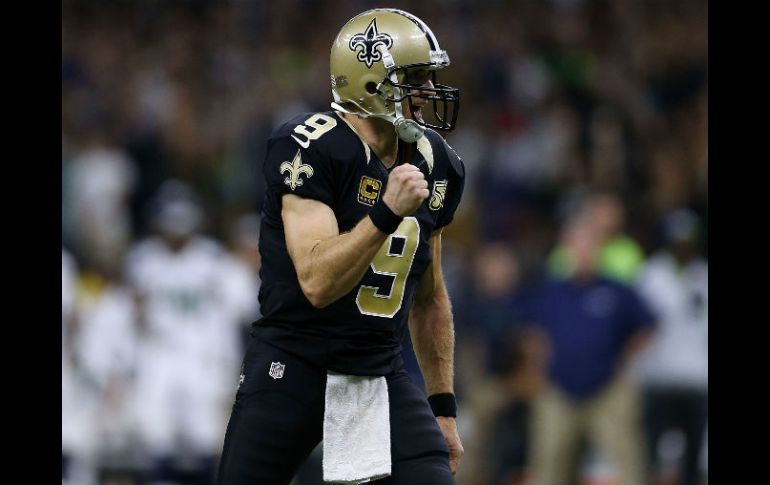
408 227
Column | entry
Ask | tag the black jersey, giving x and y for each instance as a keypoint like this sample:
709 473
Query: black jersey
319 156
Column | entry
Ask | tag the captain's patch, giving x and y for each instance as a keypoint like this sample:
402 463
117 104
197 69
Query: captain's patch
369 191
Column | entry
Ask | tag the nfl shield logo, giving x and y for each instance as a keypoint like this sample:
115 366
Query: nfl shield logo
276 370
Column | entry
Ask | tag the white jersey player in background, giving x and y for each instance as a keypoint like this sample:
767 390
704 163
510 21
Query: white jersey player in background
80 391
106 349
187 361
74 431
673 371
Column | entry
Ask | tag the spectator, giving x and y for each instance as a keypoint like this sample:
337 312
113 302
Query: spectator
674 369
590 328
620 257
486 309
496 385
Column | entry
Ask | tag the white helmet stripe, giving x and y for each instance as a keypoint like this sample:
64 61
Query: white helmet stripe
426 30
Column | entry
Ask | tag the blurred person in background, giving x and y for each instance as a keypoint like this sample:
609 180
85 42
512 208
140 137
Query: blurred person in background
495 387
106 350
81 394
188 340
620 257
357 199
99 181
241 285
74 443
486 311
674 369
586 329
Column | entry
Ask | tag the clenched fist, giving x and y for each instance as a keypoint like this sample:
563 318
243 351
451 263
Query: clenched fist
406 190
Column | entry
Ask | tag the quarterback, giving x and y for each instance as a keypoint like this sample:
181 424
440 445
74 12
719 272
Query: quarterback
350 241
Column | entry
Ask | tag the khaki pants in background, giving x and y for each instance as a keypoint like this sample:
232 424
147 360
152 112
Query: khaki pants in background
610 421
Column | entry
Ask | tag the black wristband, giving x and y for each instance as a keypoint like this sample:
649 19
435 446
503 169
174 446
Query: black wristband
383 218
443 404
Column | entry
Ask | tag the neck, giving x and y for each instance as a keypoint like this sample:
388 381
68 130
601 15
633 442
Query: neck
379 135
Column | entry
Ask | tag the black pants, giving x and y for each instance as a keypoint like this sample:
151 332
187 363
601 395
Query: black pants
684 409
276 423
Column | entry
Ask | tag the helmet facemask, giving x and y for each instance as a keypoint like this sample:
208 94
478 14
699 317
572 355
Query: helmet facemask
445 99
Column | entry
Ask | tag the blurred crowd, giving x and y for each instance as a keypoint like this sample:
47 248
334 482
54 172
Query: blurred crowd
577 263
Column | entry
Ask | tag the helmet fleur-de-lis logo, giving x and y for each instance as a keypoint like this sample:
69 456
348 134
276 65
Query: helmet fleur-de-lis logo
295 169
369 41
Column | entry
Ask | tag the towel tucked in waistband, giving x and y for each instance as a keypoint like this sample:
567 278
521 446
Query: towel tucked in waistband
356 429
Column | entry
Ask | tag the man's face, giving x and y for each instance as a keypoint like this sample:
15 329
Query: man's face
422 77
583 245
607 215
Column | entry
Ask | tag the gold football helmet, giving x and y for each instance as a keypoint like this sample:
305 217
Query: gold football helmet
384 56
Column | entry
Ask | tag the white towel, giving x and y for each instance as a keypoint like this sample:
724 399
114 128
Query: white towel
356 439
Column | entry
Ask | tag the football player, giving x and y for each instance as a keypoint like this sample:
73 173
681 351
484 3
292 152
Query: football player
184 352
350 239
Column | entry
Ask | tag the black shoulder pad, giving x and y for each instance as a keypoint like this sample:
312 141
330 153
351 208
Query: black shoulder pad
287 128
322 133
442 149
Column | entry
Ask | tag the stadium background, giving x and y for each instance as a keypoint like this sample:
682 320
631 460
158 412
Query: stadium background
559 98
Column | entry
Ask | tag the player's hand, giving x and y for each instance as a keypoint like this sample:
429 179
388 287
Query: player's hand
449 429
406 190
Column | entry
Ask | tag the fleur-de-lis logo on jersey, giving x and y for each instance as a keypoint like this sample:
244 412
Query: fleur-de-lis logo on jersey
369 41
295 169
438 195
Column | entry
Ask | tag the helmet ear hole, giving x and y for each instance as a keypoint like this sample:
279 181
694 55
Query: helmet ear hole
371 87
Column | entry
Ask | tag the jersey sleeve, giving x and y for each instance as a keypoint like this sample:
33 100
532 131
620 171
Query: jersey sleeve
454 189
291 168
